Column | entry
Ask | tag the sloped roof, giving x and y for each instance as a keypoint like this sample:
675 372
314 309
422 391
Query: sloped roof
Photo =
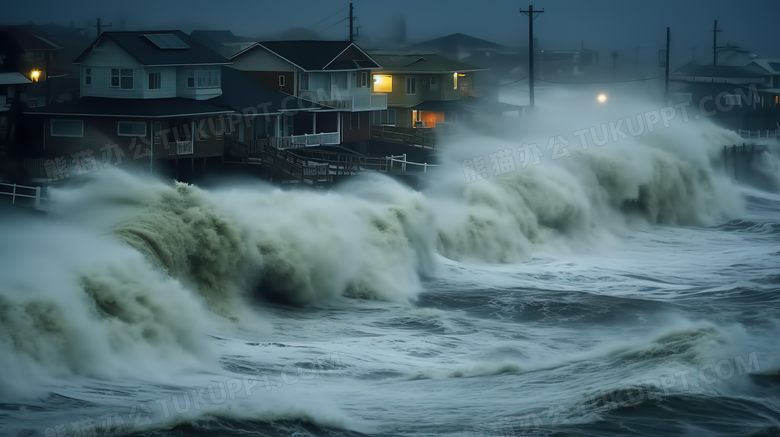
141 48
691 69
456 41
321 55
417 62
772 66
12 78
146 108
242 93
223 42
28 41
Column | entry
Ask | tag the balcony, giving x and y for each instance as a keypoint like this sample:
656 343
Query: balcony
305 140
359 102
180 148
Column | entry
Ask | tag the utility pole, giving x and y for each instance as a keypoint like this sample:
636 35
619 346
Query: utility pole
715 44
530 13
351 18
99 26
666 89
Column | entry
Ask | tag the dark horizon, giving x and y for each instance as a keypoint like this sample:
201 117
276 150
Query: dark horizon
635 31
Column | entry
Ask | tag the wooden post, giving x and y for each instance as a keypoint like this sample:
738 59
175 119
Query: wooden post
13 196
734 153
725 159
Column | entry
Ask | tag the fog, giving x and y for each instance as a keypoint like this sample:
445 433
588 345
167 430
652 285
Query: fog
635 30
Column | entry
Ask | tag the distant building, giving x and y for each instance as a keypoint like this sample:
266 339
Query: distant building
744 94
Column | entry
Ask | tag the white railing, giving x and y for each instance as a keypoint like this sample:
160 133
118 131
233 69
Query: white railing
180 148
184 148
401 159
359 102
748 134
32 192
342 103
305 140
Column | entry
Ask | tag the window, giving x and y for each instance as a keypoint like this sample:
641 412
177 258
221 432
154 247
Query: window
157 132
776 100
455 81
383 83
411 85
385 116
154 81
363 79
433 81
67 128
122 78
87 76
304 82
203 77
282 80
131 129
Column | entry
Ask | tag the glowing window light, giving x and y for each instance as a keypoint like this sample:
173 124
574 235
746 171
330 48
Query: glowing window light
35 75
383 83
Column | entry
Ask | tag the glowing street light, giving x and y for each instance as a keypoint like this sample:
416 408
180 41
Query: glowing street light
35 75
602 98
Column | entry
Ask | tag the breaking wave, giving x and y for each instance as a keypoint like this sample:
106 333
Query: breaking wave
129 267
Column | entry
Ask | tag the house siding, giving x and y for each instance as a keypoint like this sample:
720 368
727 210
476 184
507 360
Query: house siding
104 57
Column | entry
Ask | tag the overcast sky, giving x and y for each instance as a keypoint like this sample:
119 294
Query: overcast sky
621 25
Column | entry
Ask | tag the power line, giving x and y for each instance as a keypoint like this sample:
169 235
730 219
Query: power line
328 18
343 19
601 83
510 83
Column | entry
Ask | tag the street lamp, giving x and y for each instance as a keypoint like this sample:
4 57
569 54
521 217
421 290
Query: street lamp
35 75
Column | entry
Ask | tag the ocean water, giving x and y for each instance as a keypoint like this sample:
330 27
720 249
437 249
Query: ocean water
627 289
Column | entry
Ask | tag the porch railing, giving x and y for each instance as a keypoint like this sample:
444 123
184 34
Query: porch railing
180 148
22 191
360 102
766 133
305 140
418 137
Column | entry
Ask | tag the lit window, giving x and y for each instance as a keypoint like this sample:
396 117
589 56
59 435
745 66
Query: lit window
67 128
383 83
87 76
455 81
154 81
131 129
411 85
122 78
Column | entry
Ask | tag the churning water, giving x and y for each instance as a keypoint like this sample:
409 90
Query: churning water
629 289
